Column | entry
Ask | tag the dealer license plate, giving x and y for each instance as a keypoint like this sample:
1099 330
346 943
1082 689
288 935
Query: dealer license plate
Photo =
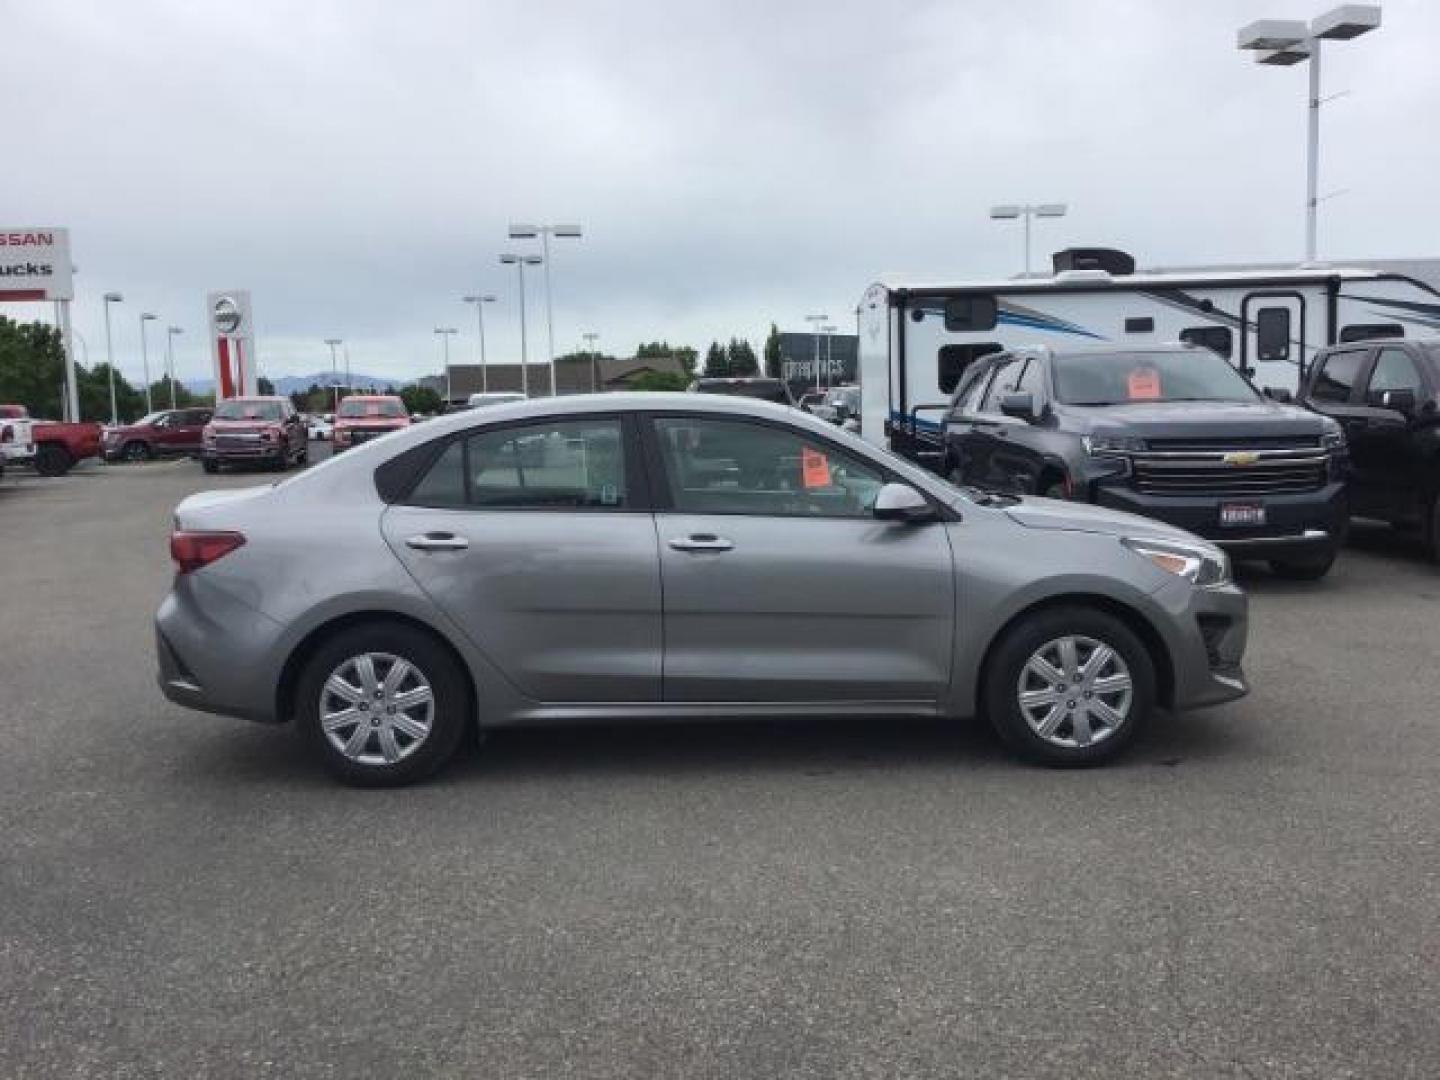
1240 515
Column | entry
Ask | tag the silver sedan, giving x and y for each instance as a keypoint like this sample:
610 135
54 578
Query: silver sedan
676 558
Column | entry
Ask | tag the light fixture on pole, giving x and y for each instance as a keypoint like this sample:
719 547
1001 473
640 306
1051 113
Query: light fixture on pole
1283 42
170 332
544 232
445 333
829 369
111 298
590 340
520 262
145 361
480 301
815 321
1009 212
334 342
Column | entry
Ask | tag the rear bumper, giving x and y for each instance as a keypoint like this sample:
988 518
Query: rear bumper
214 653
1298 526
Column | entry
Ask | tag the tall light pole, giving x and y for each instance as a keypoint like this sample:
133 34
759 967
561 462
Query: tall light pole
480 301
445 333
529 232
816 321
1010 211
170 332
828 331
111 298
590 340
520 262
145 360
1283 42
334 342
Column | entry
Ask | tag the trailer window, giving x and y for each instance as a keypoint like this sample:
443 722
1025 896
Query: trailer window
1217 339
1140 324
1370 331
1272 333
970 313
955 360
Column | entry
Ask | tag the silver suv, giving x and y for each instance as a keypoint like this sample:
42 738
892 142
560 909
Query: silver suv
676 558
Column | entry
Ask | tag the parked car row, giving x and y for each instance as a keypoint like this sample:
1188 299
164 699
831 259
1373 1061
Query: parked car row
51 447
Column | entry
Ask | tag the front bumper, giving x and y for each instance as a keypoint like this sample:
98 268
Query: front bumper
1206 637
267 451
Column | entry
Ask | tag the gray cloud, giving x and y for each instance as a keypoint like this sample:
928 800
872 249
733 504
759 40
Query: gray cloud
355 165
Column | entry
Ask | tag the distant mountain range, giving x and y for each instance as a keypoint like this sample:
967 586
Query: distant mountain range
289 384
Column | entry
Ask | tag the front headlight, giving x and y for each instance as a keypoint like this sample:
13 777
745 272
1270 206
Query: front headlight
1113 444
1333 438
1200 563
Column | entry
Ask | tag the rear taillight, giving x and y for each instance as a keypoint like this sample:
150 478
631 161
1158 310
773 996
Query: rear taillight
7 433
192 550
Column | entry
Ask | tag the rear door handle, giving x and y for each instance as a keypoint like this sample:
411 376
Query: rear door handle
701 542
437 541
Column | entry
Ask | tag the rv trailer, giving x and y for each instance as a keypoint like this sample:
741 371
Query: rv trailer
917 339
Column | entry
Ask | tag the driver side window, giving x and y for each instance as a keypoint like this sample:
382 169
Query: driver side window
723 466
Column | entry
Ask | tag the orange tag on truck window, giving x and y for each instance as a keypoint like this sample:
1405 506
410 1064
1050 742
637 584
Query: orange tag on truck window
814 468
1143 385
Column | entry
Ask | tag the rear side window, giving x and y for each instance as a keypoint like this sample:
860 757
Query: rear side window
572 465
1339 371
955 360
965 314
1272 333
1217 339
1006 381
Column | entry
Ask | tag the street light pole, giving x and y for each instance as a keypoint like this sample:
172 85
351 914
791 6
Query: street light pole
544 232
1026 211
1285 42
816 320
520 262
145 361
445 332
170 332
334 372
111 298
829 332
480 300
590 340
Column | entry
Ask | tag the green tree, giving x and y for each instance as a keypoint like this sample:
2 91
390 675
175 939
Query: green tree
264 387
684 355
742 358
659 380
717 361
420 399
32 367
773 359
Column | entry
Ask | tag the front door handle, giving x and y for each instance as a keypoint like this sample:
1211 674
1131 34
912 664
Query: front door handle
701 542
437 541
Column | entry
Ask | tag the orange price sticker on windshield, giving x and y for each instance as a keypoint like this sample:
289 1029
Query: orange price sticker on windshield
1143 385
814 468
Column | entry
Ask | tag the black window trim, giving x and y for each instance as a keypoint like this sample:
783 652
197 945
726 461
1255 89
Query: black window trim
415 463
1362 383
663 501
1362 373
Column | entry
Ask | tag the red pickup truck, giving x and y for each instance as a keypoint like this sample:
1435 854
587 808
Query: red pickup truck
50 446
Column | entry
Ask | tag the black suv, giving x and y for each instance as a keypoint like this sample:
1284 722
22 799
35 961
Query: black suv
1386 395
1171 432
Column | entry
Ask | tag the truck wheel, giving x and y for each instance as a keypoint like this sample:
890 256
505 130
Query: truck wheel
1303 570
135 450
1069 686
52 460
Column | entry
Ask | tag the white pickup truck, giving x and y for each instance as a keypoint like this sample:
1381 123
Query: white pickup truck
17 436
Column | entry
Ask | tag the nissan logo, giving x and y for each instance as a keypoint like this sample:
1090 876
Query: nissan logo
227 315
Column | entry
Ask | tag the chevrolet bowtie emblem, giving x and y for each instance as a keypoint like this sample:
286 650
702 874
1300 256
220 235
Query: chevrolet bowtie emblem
1241 457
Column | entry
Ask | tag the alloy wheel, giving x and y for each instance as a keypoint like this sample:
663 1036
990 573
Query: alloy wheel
377 708
1075 691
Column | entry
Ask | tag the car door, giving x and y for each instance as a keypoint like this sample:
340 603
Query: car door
962 445
190 433
1334 391
779 583
1384 447
536 539
166 432
995 457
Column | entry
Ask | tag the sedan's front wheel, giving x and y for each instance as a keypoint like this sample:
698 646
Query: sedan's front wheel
1069 686
382 704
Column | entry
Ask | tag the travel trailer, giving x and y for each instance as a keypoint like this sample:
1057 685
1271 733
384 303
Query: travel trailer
917 339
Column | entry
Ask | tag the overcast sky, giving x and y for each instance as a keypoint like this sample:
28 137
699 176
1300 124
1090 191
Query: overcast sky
355 164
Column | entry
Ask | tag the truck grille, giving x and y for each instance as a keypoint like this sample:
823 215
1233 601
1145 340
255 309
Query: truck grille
1251 469
1248 442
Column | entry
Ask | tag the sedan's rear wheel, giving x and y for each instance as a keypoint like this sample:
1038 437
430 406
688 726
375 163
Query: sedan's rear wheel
382 704
135 450
1070 686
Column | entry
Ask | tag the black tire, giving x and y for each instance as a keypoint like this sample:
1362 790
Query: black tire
135 450
451 709
1050 488
52 460
210 465
1303 570
1432 529
1013 652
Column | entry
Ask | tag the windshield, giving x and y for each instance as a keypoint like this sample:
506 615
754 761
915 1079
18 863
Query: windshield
352 408
240 409
848 397
1119 378
148 418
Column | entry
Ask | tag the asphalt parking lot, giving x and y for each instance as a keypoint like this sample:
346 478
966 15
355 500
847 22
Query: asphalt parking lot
1254 892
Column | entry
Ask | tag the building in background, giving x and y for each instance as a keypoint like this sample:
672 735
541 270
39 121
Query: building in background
574 374
839 360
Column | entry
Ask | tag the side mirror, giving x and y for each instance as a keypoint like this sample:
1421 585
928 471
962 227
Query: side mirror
1021 406
1275 393
1402 401
901 502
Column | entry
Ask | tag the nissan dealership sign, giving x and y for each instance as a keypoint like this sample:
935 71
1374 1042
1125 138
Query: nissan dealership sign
35 264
